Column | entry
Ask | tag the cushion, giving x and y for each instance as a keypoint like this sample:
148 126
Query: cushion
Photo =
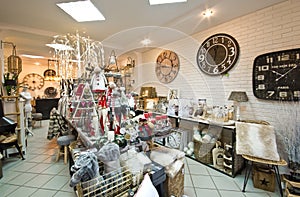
65 140
37 116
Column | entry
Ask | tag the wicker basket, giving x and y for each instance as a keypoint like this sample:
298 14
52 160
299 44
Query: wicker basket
202 151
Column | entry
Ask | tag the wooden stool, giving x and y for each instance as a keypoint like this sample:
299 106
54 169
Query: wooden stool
273 164
37 117
64 141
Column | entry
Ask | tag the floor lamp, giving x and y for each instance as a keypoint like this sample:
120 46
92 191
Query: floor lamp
238 97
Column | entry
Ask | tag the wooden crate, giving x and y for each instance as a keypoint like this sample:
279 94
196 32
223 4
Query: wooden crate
263 178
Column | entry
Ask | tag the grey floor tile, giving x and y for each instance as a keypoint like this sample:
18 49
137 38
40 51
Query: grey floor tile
39 167
231 194
6 189
39 180
44 193
204 182
22 192
256 194
67 188
8 175
56 182
65 194
54 169
23 167
187 181
189 191
40 158
198 169
207 192
225 183
22 179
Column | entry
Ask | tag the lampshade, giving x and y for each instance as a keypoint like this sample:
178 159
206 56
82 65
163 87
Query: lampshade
238 96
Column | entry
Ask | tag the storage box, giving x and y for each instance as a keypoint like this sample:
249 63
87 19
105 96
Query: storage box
263 178
175 186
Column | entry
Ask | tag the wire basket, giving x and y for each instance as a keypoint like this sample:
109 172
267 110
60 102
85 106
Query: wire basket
113 184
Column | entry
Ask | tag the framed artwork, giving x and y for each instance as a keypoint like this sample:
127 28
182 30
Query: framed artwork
173 94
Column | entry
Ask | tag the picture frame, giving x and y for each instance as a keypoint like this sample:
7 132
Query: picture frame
173 94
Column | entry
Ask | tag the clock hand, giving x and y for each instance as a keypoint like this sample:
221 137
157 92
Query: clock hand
286 72
276 72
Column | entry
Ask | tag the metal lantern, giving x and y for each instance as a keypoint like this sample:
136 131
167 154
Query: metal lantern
14 62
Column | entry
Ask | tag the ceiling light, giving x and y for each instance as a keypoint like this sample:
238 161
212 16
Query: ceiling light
146 42
33 56
60 47
207 13
82 11
157 2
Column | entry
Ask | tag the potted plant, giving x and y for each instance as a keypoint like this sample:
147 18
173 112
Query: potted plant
10 83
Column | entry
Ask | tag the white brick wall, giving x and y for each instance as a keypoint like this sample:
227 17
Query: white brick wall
271 29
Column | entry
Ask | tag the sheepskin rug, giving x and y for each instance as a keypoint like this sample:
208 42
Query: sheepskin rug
256 140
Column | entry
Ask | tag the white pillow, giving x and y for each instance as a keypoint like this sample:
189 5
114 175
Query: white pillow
146 188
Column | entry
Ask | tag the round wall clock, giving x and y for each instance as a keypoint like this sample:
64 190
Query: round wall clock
167 66
50 92
276 75
218 54
33 81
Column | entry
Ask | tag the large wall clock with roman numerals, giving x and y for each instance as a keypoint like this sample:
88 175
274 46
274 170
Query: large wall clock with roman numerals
218 54
276 75
167 66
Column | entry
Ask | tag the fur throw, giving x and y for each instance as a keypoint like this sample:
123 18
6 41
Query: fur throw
256 140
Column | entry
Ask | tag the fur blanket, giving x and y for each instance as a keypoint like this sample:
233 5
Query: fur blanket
256 140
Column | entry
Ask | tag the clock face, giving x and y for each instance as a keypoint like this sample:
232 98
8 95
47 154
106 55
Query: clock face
33 81
167 66
218 54
174 139
276 75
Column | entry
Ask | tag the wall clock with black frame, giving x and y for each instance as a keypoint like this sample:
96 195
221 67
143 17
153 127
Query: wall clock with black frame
218 54
276 75
167 66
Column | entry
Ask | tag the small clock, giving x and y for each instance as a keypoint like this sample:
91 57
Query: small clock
276 75
51 92
218 54
33 81
167 66
174 140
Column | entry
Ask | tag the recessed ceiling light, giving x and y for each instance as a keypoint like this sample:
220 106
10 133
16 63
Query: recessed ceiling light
33 56
60 47
207 13
82 11
157 2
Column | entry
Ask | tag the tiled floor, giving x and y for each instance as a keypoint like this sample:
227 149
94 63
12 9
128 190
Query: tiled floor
40 176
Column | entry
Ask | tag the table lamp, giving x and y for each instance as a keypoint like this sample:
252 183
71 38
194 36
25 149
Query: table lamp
238 97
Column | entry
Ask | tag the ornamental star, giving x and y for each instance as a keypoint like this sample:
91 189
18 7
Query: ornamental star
264 182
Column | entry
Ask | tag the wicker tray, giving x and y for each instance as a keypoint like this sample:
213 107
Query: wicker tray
202 151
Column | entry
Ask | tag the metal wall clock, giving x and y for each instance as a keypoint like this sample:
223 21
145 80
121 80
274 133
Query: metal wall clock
218 54
167 66
276 75
33 81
